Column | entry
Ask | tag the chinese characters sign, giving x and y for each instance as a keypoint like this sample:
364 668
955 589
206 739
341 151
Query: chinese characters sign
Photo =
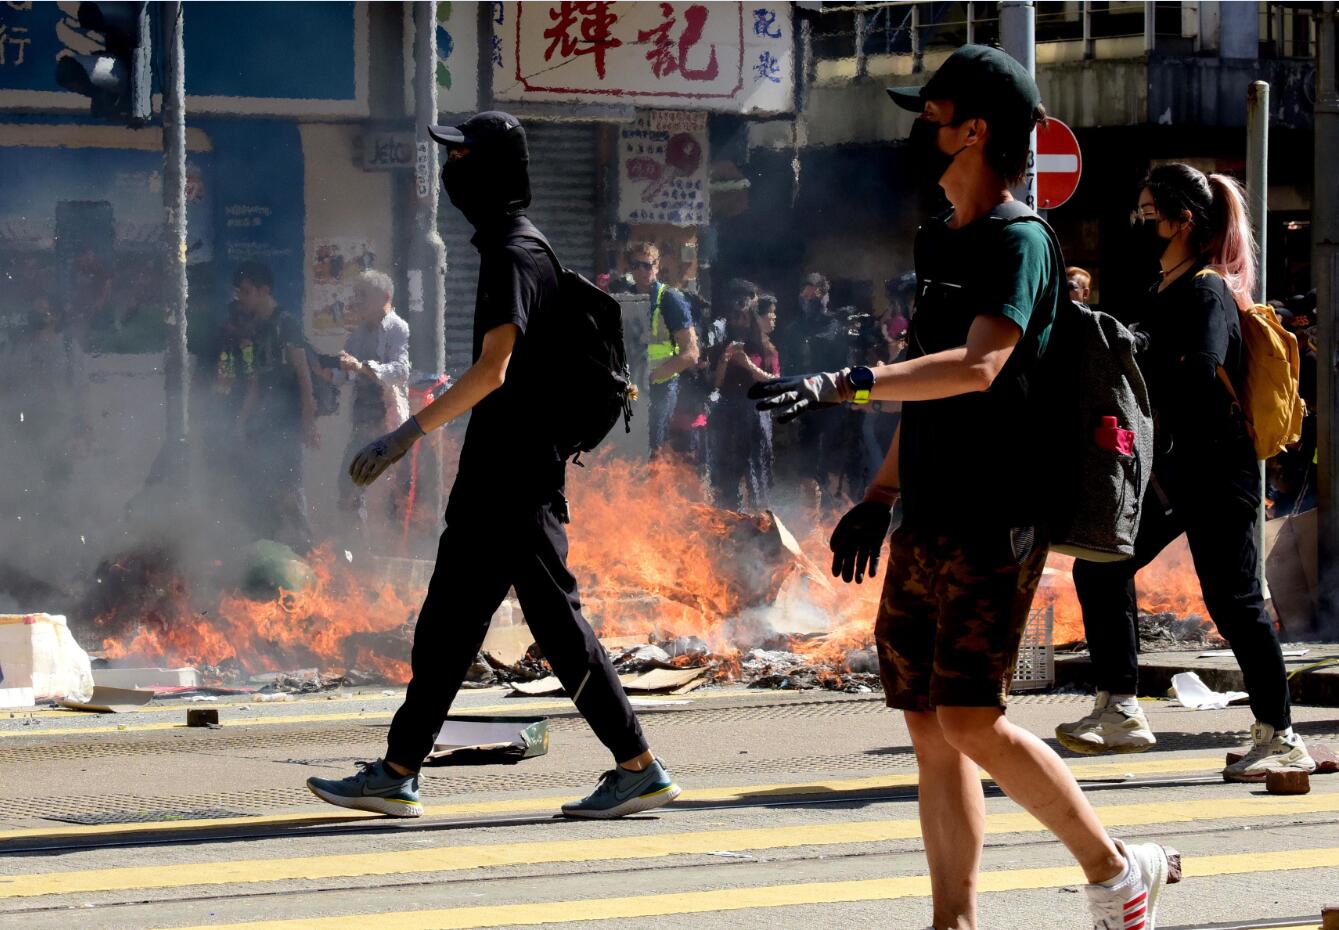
733 57
662 169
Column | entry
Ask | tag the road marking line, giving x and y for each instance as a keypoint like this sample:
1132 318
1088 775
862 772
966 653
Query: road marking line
521 706
759 897
618 848
1084 771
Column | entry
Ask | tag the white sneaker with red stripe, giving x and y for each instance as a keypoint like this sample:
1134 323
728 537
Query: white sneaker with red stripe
1131 903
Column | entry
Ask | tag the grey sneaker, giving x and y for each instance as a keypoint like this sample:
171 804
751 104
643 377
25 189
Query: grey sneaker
1109 728
621 792
374 788
1270 750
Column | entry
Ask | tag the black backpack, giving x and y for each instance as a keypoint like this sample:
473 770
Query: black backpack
1086 374
593 389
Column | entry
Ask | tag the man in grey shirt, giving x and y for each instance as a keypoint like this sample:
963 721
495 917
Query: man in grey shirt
376 359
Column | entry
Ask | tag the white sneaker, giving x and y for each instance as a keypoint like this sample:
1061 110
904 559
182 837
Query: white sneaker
1109 728
1270 751
1132 903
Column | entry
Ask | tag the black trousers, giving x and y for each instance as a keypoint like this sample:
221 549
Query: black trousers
1217 512
480 557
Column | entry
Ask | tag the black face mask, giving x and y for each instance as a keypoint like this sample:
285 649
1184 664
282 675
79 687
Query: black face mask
928 160
487 185
1152 244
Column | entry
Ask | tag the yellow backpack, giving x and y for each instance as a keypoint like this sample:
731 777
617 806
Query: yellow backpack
1269 398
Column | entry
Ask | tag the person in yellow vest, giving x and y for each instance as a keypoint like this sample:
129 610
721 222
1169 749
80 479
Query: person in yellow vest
672 340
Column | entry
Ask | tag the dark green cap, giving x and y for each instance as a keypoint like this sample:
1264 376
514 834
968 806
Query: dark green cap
981 79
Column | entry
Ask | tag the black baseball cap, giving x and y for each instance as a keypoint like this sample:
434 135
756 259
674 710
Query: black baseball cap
985 80
482 129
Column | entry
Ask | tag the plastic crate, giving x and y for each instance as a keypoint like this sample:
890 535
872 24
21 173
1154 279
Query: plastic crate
1035 669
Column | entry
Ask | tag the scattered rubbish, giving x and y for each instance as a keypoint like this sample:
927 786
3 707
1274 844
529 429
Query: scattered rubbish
202 717
863 660
687 646
388 692
146 678
1287 781
1166 632
38 652
271 568
110 700
543 687
274 697
471 740
1327 763
1196 695
505 646
671 681
348 556
726 854
201 698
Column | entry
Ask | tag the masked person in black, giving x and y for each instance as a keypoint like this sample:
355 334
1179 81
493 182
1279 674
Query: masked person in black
506 513
1205 474
969 554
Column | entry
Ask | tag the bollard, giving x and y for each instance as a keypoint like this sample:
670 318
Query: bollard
1329 918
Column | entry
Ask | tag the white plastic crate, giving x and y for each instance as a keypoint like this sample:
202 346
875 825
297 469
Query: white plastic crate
1035 670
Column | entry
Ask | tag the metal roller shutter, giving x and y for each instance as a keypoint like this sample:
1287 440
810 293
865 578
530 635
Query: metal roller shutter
563 181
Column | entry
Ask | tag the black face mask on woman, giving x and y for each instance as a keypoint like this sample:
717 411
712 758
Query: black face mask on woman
928 160
1152 244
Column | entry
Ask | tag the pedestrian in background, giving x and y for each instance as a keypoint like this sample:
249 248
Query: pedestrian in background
740 435
671 341
1205 474
376 359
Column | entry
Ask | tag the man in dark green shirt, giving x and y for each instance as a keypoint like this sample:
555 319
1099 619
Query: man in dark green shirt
969 554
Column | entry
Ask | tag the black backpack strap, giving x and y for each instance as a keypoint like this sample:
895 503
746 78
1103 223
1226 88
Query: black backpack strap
544 243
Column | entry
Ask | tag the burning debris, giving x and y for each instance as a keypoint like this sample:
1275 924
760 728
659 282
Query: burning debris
670 583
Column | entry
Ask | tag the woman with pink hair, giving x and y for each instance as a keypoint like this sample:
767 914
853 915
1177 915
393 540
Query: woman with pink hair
1205 474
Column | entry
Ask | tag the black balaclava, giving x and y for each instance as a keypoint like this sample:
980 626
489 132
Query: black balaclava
488 179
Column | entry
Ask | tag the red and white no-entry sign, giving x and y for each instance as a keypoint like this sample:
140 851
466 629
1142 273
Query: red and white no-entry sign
1059 164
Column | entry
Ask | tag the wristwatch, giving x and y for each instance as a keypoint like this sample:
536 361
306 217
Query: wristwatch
861 380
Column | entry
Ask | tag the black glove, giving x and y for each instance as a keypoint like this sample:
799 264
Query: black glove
381 454
858 540
790 397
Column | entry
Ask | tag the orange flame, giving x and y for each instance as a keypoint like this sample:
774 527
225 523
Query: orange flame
654 561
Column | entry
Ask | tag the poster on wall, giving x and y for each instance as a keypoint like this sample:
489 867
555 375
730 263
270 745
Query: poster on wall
457 40
726 57
335 264
662 169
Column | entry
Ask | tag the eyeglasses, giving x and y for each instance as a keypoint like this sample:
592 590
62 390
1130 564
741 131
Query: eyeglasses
645 266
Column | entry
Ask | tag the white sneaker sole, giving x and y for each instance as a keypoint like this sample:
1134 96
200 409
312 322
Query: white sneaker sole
387 806
1258 776
1085 748
637 805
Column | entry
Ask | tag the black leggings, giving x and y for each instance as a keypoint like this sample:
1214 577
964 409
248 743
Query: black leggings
481 556
1218 515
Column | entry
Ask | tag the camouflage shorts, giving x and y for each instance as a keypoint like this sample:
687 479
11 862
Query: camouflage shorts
952 616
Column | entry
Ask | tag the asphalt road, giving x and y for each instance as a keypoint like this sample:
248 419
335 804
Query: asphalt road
798 812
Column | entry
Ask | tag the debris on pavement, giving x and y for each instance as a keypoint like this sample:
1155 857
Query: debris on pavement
1196 695
1287 781
202 717
106 700
478 740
